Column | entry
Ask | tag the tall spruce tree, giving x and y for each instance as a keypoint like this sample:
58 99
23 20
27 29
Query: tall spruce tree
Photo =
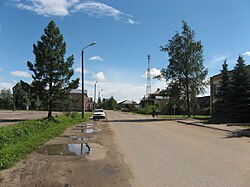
185 64
221 108
240 97
51 73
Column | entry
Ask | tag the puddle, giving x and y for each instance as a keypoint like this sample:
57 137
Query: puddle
64 149
88 130
107 171
78 138
88 125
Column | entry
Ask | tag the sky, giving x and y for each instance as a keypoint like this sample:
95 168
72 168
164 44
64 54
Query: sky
126 32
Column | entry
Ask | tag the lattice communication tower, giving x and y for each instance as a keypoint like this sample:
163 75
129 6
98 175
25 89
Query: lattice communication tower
148 88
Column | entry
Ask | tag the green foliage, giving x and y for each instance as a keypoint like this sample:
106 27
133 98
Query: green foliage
222 104
6 99
233 98
239 102
185 70
145 110
51 73
22 95
18 140
109 104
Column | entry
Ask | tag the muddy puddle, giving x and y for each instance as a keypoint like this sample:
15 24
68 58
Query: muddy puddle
85 130
77 138
65 149
89 125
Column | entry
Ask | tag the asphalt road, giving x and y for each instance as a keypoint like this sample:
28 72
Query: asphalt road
167 153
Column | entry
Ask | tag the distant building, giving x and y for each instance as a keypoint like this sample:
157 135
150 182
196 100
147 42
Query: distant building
156 97
127 105
204 105
74 102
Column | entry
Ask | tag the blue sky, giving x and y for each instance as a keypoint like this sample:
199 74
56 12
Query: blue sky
125 32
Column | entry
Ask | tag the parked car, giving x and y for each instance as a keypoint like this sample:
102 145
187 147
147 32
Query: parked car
99 114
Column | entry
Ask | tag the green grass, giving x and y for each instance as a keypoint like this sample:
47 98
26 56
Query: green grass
18 140
201 117
173 116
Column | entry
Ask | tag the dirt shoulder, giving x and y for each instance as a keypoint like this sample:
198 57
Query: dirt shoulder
103 166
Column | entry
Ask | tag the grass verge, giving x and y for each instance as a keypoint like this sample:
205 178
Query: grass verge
200 117
18 140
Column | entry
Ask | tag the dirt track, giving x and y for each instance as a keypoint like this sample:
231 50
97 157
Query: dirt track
104 165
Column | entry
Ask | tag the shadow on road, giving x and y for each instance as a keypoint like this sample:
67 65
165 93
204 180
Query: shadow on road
141 120
239 134
11 120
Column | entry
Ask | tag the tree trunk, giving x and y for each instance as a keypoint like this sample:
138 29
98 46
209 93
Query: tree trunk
50 97
188 100
50 109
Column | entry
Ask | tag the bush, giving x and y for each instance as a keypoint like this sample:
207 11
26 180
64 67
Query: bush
145 110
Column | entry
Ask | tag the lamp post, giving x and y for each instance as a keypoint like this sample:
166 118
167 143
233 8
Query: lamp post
99 93
95 94
93 43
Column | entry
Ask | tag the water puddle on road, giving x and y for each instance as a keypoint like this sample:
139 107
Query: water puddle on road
87 130
65 149
78 138
88 125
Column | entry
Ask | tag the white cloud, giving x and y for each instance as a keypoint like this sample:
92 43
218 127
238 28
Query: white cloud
96 58
5 85
66 7
216 60
79 70
47 7
98 10
132 22
246 53
153 73
1 69
99 76
20 74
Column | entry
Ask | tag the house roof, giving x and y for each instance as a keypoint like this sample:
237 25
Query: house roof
127 102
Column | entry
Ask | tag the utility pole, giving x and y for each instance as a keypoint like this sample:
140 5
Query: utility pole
95 94
83 108
148 88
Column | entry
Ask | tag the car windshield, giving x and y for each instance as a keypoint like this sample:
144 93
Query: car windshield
98 110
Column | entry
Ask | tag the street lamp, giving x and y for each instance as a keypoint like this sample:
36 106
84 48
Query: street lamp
93 43
95 94
99 93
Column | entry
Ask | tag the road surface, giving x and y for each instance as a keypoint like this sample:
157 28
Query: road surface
167 153
9 117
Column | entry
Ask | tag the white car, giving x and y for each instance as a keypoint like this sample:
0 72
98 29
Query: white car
98 114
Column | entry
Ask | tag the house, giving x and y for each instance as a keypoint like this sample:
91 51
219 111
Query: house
204 105
127 104
156 97
214 87
74 102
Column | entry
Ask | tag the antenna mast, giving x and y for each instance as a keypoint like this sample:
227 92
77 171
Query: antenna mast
148 89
